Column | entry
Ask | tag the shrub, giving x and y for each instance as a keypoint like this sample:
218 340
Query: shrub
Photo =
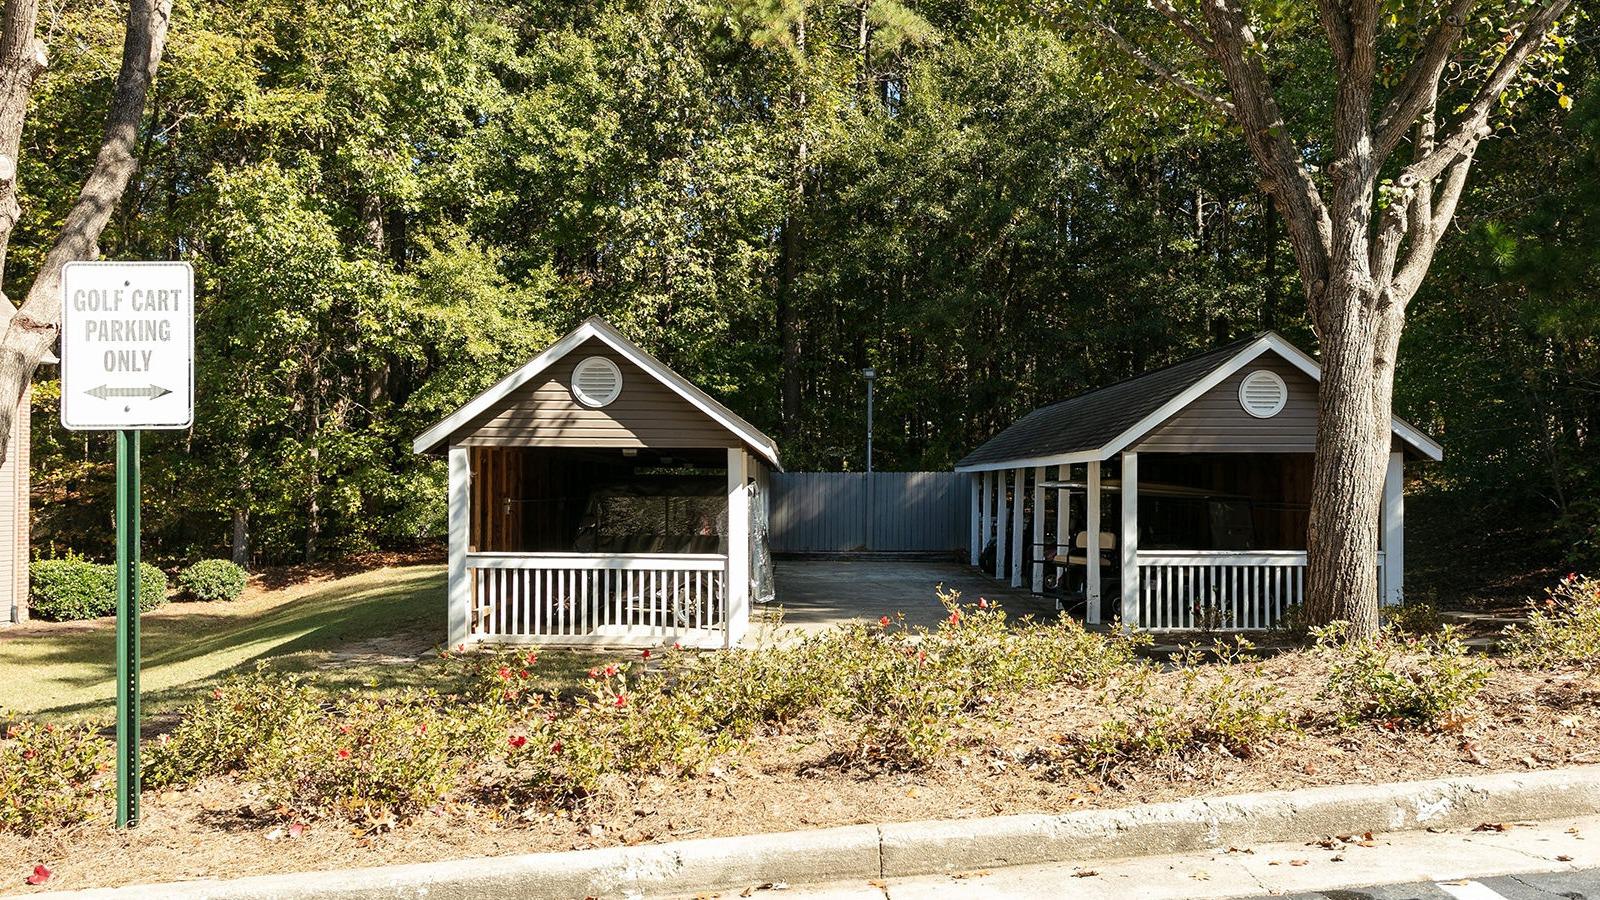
1563 629
373 762
1415 617
1227 707
52 776
213 579
70 588
74 588
1393 679
229 730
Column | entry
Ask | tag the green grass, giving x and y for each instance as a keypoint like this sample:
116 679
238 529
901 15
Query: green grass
376 631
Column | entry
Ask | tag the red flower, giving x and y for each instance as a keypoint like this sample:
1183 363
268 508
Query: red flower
533 658
461 648
28 754
611 670
644 654
621 700
216 693
677 645
343 753
595 674
296 829
922 656
556 747
523 674
40 875
955 617
883 621
423 728
504 673
517 741
549 717
982 603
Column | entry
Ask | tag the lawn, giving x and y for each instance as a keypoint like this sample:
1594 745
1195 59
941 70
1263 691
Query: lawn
378 630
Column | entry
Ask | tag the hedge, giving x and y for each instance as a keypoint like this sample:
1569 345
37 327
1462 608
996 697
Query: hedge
75 588
213 579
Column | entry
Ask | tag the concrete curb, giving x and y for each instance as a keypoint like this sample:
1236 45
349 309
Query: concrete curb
924 848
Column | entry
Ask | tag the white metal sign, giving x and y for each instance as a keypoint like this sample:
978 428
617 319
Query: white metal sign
127 345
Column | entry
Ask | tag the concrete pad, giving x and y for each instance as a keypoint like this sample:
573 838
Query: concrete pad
814 595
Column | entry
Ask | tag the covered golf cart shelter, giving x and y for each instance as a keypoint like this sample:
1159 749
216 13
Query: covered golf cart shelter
1210 464
597 498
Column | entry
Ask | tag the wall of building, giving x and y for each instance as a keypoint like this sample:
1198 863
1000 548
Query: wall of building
14 518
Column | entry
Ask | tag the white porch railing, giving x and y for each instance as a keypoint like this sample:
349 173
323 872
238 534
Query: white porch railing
598 599
1221 589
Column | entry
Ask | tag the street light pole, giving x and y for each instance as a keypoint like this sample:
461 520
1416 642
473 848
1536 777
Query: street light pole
869 374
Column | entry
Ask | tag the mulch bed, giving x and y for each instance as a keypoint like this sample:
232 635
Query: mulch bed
1012 764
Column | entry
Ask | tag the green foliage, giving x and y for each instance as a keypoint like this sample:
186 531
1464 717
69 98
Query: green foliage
213 579
1396 680
1227 707
71 587
52 776
1563 629
1414 617
230 730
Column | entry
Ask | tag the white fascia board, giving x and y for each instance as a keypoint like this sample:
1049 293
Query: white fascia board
1060 459
596 328
430 439
1407 431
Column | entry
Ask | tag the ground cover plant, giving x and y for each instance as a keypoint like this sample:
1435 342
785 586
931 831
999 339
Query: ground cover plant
871 721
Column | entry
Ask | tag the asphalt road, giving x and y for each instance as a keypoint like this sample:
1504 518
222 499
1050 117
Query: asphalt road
1541 886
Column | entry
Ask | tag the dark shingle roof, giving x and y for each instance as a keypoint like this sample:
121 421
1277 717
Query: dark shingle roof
1092 419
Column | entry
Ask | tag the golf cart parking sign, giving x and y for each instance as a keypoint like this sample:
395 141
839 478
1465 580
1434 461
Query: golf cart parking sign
127 345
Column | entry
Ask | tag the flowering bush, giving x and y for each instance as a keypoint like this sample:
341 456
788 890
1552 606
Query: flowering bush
1227 707
229 730
1563 628
52 776
213 579
1394 679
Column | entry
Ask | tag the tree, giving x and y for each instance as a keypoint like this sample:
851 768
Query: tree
1363 223
30 329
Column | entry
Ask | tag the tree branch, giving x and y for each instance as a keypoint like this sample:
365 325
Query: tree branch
1420 88
1474 123
1221 104
1182 22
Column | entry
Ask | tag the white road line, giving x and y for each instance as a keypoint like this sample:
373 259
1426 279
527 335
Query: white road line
1469 890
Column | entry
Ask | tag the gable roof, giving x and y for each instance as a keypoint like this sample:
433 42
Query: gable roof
1098 424
599 329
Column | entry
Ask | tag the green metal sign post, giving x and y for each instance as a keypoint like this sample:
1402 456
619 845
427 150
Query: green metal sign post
127 628
127 365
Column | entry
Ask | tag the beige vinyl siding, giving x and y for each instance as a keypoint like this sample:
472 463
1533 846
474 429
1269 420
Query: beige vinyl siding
544 413
1216 423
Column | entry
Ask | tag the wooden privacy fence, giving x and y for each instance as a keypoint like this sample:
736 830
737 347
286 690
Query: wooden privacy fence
598 598
843 512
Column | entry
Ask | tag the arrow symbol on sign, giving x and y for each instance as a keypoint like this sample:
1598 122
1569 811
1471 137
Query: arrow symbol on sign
106 392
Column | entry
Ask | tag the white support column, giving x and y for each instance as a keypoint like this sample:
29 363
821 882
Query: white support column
738 587
1063 513
1394 531
1000 542
1019 485
458 591
1038 530
1091 588
986 503
974 482
1129 544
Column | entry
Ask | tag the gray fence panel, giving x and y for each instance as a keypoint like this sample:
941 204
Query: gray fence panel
838 512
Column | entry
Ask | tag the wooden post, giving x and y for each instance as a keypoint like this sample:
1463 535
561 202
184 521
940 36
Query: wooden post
975 513
1091 589
1129 543
1038 530
738 588
1000 524
1394 531
1019 484
458 591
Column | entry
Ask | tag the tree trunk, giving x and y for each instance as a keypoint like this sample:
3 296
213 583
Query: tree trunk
1352 450
29 331
241 537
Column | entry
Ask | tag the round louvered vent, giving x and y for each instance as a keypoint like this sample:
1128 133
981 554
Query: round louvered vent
1263 394
596 381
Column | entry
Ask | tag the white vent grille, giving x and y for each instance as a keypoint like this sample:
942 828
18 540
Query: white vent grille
1263 394
596 381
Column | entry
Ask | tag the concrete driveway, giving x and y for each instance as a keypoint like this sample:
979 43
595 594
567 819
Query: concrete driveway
818 594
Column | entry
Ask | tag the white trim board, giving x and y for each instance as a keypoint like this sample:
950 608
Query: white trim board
1248 354
594 327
